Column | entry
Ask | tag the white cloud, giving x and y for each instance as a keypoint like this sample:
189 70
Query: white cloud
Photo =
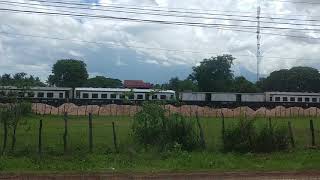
38 54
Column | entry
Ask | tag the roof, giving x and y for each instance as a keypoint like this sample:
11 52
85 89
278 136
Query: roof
35 88
124 90
293 93
136 84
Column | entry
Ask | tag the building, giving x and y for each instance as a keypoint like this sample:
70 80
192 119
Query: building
136 84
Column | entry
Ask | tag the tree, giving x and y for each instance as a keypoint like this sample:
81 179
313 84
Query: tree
296 79
68 73
103 82
241 84
20 80
181 85
214 74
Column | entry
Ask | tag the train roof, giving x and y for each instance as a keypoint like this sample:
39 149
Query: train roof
125 90
293 93
36 88
222 93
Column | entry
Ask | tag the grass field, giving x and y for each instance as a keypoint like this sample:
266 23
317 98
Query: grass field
103 158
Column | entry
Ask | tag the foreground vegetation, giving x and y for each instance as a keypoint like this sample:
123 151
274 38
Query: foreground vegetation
164 162
132 157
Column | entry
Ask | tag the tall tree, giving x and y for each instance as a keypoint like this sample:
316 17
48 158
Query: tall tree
214 74
181 85
296 79
241 84
68 73
103 82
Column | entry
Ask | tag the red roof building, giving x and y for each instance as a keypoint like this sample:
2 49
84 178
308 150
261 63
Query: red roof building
136 84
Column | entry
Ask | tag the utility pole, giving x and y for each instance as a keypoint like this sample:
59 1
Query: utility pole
258 39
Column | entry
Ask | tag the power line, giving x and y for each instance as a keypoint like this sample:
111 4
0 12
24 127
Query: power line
296 2
158 14
139 47
168 11
146 7
180 23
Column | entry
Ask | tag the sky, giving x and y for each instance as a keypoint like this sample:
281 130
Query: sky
153 52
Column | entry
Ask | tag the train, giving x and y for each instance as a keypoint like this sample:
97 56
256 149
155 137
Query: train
83 95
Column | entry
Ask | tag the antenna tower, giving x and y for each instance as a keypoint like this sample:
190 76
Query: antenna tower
258 39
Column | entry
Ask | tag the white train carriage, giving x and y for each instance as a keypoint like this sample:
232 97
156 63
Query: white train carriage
221 97
253 97
37 92
292 97
194 96
122 94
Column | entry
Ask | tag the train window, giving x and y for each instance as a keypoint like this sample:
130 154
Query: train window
171 97
314 99
113 96
140 96
299 99
30 94
131 96
163 97
307 99
49 95
2 93
104 96
85 95
154 96
20 94
40 95
95 96
122 96
270 99
12 94
284 99
277 99
61 95
292 99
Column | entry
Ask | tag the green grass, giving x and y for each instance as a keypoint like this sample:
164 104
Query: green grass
103 158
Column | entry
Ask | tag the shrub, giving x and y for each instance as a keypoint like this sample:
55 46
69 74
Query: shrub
245 137
152 127
239 138
180 130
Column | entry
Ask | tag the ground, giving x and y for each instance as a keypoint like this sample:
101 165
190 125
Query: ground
103 159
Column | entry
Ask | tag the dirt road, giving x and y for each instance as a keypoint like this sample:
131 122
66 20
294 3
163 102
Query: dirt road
155 176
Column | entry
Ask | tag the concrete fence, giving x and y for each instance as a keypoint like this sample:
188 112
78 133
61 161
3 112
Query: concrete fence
186 110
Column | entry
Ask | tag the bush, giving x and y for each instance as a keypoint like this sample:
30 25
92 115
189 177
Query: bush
240 137
245 137
152 128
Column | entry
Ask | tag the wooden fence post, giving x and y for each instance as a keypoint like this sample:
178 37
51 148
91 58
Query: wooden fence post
114 138
270 123
312 133
40 138
291 135
202 140
223 125
65 135
90 133
5 135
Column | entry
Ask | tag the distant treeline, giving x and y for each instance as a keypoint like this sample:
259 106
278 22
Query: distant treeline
212 75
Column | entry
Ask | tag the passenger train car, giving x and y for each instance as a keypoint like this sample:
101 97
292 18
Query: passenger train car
119 95
36 94
57 96
252 99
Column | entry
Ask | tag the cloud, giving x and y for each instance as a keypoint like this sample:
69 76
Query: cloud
125 49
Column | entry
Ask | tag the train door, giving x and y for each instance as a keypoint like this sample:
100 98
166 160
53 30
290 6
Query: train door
239 98
208 97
